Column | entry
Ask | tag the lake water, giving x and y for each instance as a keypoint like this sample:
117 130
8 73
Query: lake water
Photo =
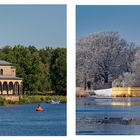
24 120
93 115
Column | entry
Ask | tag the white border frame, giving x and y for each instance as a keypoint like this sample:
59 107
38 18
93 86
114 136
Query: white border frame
71 50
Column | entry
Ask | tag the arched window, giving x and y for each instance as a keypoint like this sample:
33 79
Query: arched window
11 88
1 71
0 88
5 88
16 85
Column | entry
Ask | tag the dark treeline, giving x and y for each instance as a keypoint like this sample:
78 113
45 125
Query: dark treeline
42 70
105 59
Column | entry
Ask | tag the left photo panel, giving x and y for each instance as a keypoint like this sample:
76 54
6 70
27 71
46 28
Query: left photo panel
33 86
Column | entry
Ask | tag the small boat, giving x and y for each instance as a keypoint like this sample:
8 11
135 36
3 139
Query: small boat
39 108
55 101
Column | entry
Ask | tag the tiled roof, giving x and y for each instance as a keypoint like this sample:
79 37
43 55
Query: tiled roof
3 62
10 77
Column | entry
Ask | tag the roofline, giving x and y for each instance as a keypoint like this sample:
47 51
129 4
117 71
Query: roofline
11 78
5 64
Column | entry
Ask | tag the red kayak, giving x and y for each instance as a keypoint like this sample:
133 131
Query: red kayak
39 108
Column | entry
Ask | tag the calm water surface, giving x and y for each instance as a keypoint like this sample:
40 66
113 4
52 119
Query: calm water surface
23 120
90 108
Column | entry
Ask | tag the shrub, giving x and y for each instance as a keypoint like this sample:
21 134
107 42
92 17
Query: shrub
2 101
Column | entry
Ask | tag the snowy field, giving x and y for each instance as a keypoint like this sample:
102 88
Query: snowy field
104 92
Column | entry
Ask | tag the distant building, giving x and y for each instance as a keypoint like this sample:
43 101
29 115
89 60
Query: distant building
9 83
126 91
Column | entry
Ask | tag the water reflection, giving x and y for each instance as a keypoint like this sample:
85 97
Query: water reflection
108 116
126 102
122 103
108 101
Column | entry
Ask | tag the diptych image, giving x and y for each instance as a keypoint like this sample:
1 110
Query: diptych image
33 72
107 70
33 91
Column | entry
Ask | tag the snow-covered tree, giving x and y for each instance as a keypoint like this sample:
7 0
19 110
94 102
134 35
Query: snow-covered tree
102 57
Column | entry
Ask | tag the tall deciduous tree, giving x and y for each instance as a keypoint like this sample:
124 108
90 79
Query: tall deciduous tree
58 70
99 58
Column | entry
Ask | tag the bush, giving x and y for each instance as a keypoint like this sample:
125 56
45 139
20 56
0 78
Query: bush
63 99
41 99
2 101
48 98
33 99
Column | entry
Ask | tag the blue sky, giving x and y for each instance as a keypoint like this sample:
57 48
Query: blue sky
123 19
38 25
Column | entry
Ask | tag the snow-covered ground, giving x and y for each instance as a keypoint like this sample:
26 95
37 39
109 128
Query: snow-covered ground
103 92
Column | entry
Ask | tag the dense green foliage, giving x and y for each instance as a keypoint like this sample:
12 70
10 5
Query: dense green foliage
58 70
43 70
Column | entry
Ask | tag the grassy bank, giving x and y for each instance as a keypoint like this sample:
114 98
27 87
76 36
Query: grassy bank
33 99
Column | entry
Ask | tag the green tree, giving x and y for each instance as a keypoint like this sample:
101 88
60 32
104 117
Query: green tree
45 55
42 70
58 71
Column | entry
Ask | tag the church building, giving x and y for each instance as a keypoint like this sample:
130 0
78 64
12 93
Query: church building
9 83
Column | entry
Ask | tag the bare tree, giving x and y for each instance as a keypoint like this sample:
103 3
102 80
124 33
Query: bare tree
126 80
132 78
101 58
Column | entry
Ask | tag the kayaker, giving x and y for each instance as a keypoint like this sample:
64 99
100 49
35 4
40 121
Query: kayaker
38 105
39 108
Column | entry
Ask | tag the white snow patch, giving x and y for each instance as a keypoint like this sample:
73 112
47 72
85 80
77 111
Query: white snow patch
103 92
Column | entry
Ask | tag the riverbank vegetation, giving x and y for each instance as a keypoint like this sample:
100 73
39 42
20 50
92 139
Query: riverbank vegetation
105 59
43 70
27 99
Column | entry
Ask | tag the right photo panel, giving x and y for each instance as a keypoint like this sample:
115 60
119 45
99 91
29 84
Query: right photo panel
107 70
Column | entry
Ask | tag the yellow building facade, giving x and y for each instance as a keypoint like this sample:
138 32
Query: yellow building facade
126 91
9 83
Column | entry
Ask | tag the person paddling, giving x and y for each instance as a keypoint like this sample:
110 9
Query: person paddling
39 108
38 105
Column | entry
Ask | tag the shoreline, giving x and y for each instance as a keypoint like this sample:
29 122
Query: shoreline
27 99
108 97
